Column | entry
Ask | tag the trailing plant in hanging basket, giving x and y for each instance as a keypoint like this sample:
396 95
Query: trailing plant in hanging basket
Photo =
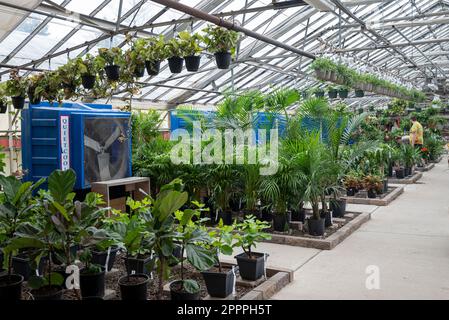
89 68
111 60
33 91
155 53
222 43
69 74
3 100
16 88
175 50
192 49
135 57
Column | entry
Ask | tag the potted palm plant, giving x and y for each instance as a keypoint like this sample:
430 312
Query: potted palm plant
16 208
155 53
251 264
192 49
16 88
111 60
222 43
219 280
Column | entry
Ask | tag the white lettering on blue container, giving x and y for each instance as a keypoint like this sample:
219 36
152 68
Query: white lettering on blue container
65 142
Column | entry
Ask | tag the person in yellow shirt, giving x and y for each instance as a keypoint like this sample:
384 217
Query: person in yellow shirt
416 133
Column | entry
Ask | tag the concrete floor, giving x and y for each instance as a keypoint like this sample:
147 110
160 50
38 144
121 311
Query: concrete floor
407 242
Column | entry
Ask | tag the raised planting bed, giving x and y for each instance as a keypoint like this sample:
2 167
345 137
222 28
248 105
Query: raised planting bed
407 180
427 167
382 200
340 230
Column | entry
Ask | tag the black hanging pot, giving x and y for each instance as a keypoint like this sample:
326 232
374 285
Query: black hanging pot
33 98
223 60
178 293
350 192
192 63
175 64
88 81
3 108
48 293
332 94
338 208
139 70
11 287
319 94
360 111
226 216
92 284
316 226
100 257
153 67
372 194
138 265
343 93
219 284
112 72
18 102
400 173
134 287
359 93
281 222
251 268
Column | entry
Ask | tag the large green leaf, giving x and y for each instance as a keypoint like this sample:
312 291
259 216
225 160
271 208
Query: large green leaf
61 183
10 186
191 286
199 257
170 203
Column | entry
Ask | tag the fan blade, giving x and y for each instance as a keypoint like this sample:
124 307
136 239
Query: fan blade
103 166
114 136
91 143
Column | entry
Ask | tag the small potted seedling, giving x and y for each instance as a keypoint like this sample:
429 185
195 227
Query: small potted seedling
251 264
219 280
92 277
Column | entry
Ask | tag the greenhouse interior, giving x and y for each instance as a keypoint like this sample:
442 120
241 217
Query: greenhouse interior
229 150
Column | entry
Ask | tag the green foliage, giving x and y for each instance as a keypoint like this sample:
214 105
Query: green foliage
219 39
16 86
250 233
190 43
109 57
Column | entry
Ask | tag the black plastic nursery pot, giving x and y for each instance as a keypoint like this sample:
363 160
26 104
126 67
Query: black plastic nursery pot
408 171
385 185
92 284
88 81
11 287
327 216
175 64
177 292
251 268
319 94
134 287
400 173
372 194
192 63
100 257
48 293
343 93
33 98
219 284
390 170
281 222
22 265
18 102
338 208
112 72
139 71
332 94
316 226
226 216
359 93
350 192
1 258
138 265
298 215
223 60
3 107
153 67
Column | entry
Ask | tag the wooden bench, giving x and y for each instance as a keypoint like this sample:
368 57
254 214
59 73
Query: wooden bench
129 185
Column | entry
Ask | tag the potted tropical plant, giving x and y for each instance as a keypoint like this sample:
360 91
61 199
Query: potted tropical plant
319 92
50 87
343 92
155 53
92 277
175 49
70 77
352 184
88 69
192 49
372 184
250 232
16 88
111 60
16 208
136 57
219 280
34 85
332 92
359 93
222 43
193 240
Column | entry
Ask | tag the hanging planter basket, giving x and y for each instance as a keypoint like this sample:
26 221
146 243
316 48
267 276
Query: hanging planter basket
360 110
88 81
359 93
319 94
343 93
332 94
153 67
112 72
139 71
223 59
304 94
3 107
18 102
193 63
175 64
33 99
